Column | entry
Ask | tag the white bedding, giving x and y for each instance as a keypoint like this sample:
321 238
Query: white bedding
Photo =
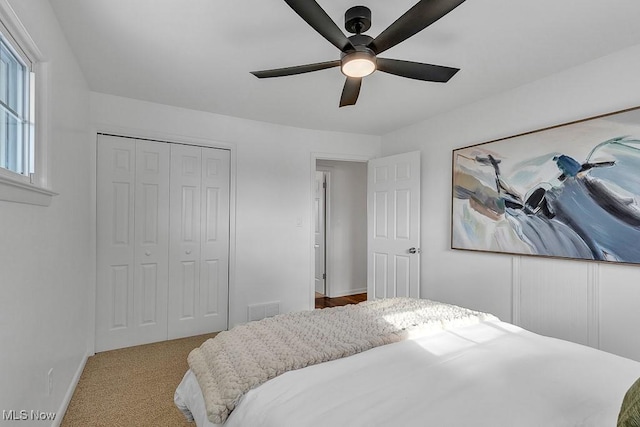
491 374
241 359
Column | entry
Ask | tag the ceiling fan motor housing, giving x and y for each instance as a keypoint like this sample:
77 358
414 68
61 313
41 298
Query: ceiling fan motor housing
359 42
357 19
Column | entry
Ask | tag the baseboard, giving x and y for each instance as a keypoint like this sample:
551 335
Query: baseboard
69 394
347 292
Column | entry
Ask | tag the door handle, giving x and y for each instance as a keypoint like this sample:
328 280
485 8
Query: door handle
316 246
415 250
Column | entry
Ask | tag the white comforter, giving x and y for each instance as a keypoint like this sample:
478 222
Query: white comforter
491 374
241 359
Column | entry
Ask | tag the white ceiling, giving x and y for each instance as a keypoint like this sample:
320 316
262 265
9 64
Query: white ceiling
197 54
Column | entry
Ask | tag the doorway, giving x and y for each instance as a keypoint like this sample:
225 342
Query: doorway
340 232
319 231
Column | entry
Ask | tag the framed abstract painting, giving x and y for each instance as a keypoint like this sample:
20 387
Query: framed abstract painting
570 191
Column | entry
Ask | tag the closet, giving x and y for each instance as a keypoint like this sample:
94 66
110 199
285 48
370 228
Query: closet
162 241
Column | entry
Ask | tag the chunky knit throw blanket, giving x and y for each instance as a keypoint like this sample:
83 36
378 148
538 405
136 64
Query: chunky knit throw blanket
248 355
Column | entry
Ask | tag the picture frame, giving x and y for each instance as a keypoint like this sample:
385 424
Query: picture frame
568 191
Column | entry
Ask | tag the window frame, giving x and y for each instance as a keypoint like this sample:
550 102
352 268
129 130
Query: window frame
16 187
20 95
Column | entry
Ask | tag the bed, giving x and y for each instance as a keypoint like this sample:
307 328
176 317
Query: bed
437 369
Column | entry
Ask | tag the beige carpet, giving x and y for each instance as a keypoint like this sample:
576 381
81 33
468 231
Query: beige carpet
132 386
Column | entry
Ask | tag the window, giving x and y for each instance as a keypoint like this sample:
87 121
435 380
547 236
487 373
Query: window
23 114
17 110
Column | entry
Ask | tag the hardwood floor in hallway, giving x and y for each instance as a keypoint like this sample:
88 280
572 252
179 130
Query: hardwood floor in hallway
324 302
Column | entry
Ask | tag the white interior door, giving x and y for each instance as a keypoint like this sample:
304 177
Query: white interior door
132 249
393 211
319 232
199 241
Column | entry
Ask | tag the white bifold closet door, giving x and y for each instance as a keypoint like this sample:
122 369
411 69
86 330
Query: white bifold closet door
199 252
162 241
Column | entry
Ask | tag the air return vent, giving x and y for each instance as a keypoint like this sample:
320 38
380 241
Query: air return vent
260 311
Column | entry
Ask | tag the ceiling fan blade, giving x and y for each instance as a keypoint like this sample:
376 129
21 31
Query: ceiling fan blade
315 16
416 70
350 91
416 19
298 69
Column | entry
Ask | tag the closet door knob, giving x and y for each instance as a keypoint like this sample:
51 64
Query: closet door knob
188 251
147 253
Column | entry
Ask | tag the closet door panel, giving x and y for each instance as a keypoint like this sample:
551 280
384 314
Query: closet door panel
184 252
115 242
214 283
132 212
199 254
210 301
152 240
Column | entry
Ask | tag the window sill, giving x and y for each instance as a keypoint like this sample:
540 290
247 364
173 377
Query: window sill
12 190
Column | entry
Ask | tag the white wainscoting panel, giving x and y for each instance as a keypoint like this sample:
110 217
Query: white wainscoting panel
593 301
619 300
551 297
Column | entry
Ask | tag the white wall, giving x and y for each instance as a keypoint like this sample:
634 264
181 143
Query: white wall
45 252
347 234
273 246
592 303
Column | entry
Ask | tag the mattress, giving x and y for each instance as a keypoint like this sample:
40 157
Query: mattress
489 374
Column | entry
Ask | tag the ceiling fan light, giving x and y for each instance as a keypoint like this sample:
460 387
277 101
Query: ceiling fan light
358 64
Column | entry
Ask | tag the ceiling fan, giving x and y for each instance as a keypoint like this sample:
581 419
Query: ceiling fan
359 52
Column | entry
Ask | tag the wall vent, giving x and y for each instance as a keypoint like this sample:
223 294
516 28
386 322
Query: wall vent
260 311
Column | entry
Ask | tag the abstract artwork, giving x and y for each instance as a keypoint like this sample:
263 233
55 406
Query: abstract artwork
571 191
